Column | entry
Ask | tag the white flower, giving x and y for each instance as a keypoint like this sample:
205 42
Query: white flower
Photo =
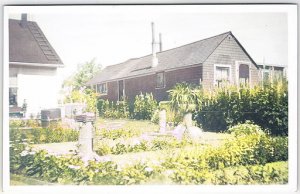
169 172
24 143
24 153
97 170
135 142
105 159
74 167
148 169
32 153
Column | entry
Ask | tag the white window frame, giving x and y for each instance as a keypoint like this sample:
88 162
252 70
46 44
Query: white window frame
222 65
105 83
237 71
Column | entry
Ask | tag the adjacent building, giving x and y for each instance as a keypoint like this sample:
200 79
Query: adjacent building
33 65
210 62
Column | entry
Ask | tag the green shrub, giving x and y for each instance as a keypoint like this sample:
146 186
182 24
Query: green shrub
43 135
115 110
266 106
17 123
245 129
144 106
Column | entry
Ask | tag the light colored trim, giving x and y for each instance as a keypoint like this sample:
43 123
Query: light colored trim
152 73
36 64
237 72
222 65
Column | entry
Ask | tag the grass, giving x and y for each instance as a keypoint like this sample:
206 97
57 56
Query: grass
18 180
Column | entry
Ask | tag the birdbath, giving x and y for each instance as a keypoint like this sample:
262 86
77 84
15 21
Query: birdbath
85 139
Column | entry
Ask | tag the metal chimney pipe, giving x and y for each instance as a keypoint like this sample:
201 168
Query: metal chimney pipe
153 38
154 58
160 43
24 20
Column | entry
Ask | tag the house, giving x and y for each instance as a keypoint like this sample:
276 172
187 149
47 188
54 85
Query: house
33 65
209 62
271 72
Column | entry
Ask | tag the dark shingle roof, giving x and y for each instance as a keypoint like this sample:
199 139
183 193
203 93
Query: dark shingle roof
186 55
28 44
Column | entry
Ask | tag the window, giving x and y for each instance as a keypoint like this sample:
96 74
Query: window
102 88
13 96
160 80
222 75
266 75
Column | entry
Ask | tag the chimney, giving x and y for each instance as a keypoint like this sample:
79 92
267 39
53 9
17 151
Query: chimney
24 20
160 43
154 58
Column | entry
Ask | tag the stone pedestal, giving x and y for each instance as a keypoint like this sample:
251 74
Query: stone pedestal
85 139
162 121
187 120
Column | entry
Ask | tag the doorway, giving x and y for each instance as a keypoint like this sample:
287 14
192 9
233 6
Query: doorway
121 90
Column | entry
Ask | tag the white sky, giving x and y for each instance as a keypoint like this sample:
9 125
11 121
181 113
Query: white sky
113 34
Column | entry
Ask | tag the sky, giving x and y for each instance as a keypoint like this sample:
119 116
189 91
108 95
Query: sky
113 34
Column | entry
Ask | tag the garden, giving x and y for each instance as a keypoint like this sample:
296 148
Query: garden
244 141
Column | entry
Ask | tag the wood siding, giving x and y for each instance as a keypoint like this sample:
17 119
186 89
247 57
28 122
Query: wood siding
147 84
227 53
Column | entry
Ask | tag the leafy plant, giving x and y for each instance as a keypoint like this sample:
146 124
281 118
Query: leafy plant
144 106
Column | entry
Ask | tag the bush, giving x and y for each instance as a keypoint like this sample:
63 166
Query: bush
40 135
18 123
117 110
266 106
245 129
144 106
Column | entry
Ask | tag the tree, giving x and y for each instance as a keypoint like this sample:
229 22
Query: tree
76 85
84 73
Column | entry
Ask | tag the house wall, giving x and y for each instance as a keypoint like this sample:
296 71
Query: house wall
38 85
227 53
147 84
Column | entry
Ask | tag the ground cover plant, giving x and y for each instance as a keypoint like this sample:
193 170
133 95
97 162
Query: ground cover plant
35 134
251 156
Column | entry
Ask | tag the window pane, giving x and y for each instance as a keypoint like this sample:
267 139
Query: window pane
222 73
13 96
160 80
101 88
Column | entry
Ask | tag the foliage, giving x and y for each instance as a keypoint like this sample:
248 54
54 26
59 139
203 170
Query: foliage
144 106
40 135
242 160
91 100
245 129
117 110
118 133
266 106
17 123
84 73
184 97
138 144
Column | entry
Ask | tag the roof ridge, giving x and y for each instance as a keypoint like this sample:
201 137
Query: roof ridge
136 58
228 32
